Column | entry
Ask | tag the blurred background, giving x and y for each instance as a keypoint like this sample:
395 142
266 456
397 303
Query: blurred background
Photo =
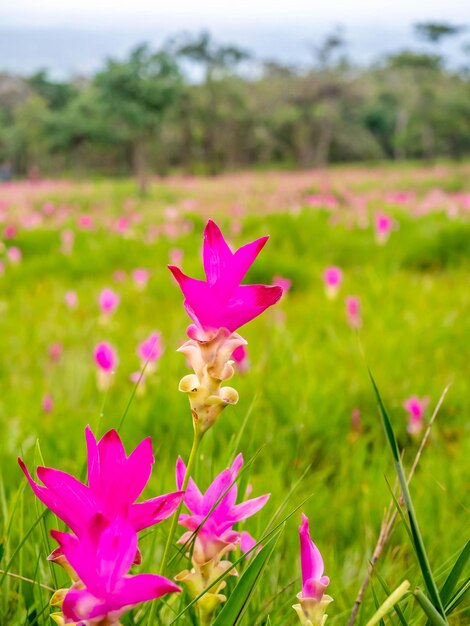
204 87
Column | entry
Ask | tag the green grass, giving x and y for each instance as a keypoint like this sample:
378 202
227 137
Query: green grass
307 374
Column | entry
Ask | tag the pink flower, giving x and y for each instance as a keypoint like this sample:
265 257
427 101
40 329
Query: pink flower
55 351
314 582
284 283
212 519
71 299
353 311
383 227
115 481
108 301
119 276
105 356
10 231
176 256
47 403
221 301
85 222
416 408
14 255
151 349
332 278
102 557
140 276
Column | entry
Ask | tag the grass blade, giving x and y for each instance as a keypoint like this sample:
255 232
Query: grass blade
389 603
417 538
431 612
454 575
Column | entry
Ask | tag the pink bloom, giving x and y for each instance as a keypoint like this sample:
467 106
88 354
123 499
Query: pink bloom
416 408
221 301
314 582
214 519
105 356
284 283
151 349
71 299
119 276
85 222
353 311
108 301
47 403
102 557
332 277
48 208
176 256
383 227
115 481
14 255
10 231
140 276
55 351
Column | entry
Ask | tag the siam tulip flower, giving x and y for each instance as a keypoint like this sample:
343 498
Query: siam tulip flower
71 299
240 359
211 520
332 277
85 222
416 408
10 231
48 208
221 301
313 601
106 360
14 255
353 312
101 557
284 283
108 301
55 351
150 350
48 403
383 227
115 481
140 276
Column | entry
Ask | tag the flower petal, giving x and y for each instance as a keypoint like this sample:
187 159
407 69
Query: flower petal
310 558
248 508
150 512
217 256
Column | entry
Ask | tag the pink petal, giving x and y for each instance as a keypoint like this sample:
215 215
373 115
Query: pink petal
145 514
218 487
310 558
248 302
193 497
92 458
216 253
248 508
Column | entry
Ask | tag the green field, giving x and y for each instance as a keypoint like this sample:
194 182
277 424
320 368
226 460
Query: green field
308 368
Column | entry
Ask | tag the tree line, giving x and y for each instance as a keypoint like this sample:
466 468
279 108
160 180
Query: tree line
201 107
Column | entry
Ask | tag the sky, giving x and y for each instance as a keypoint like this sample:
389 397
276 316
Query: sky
74 36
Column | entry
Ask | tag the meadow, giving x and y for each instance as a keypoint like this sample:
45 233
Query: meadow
306 422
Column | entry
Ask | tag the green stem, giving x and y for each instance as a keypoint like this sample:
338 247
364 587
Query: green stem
174 521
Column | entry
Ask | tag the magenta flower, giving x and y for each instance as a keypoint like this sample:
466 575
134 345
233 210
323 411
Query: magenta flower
216 532
151 348
383 227
102 557
105 356
353 311
313 581
140 276
55 351
48 403
115 481
221 301
332 278
108 301
416 408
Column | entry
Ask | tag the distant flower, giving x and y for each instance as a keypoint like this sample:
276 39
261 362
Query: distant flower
47 403
416 408
108 301
119 276
356 420
312 599
48 208
67 239
140 276
151 349
284 283
221 301
14 255
332 277
55 351
353 311
176 256
10 231
213 519
105 356
85 222
71 299
383 227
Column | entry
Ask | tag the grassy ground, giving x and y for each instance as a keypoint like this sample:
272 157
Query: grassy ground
307 372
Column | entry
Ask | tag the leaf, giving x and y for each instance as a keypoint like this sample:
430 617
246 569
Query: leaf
458 596
455 573
236 605
434 617
417 538
389 603
386 588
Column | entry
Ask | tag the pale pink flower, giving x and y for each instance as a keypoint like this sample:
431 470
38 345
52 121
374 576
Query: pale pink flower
71 299
119 276
108 301
284 283
47 403
48 208
140 276
55 351
416 408
10 231
151 348
353 311
85 222
332 277
176 256
14 255
383 227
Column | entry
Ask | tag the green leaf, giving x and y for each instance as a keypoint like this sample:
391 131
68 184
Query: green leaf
455 573
387 590
389 603
434 617
458 596
417 538
236 605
